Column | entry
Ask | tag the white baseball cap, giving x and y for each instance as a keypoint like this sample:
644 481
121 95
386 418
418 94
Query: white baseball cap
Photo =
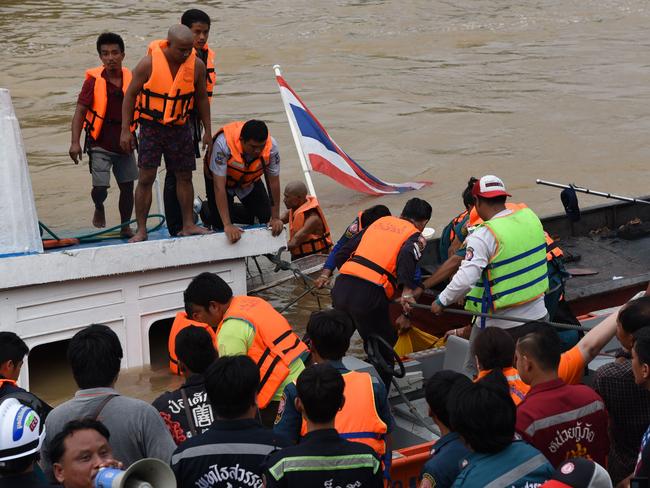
489 186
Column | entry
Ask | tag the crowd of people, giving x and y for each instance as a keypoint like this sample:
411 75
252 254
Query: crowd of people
261 406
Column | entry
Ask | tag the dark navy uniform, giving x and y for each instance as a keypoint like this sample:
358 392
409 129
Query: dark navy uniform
229 455
324 459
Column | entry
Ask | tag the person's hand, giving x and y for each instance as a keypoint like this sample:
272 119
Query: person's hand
406 301
436 308
206 140
233 232
112 463
403 324
323 279
451 333
127 141
276 226
75 152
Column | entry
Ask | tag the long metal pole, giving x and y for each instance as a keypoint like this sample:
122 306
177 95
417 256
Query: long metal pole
306 168
592 192
509 318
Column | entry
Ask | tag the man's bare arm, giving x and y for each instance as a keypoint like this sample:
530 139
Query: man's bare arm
202 101
77 124
141 74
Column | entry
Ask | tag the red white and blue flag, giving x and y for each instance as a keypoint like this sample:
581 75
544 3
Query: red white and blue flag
325 156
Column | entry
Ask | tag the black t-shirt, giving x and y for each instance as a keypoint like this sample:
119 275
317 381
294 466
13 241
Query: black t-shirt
8 390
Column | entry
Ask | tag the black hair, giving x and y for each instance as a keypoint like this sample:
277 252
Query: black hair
205 288
320 389
193 16
642 344
109 38
544 346
12 348
95 354
494 348
417 210
255 130
231 383
330 332
57 444
635 315
437 390
498 200
194 348
483 414
468 198
371 214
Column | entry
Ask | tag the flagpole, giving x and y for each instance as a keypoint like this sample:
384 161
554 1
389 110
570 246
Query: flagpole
296 139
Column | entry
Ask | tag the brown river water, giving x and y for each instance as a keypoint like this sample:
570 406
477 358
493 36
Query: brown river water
417 90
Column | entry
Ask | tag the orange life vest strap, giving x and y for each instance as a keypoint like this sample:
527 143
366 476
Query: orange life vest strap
376 268
277 358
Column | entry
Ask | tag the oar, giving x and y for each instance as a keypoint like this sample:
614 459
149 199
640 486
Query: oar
500 317
592 192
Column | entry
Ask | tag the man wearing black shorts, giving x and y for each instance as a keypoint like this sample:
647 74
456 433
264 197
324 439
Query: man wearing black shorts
171 68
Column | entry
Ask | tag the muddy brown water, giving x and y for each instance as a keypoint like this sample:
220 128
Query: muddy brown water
419 90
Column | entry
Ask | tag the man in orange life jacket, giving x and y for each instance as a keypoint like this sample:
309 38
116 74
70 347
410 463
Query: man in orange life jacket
366 416
99 112
250 326
172 67
308 229
372 265
241 154
199 23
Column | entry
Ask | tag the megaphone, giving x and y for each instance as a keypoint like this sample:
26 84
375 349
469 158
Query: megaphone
146 473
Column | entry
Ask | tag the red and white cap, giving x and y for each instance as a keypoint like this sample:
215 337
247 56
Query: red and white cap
489 186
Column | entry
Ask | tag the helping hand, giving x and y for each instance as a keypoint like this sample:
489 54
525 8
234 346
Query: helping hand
276 226
403 323
127 141
436 308
233 232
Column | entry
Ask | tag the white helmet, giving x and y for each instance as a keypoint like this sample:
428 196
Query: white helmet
21 430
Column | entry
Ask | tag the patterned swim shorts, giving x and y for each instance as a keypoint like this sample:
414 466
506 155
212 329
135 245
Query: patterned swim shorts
172 141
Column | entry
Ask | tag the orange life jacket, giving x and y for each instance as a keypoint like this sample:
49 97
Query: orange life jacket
358 420
552 249
210 73
96 114
375 259
313 243
518 389
163 99
180 322
242 174
454 222
275 345
5 380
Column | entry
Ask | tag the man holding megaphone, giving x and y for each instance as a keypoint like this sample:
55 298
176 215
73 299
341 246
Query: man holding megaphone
81 457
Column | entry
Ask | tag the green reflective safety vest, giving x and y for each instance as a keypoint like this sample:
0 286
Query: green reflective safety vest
518 272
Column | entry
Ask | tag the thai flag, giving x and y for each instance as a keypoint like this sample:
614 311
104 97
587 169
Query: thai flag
325 155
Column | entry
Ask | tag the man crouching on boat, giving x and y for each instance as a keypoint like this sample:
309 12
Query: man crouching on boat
99 112
163 87
504 270
250 326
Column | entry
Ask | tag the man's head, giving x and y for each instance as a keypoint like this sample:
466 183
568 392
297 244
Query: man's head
207 298
633 316
418 211
494 348
12 354
329 332
194 350
199 23
78 451
490 195
538 353
253 136
483 414
95 355
373 213
295 194
320 393
641 357
110 48
437 392
181 43
21 436
468 198
231 383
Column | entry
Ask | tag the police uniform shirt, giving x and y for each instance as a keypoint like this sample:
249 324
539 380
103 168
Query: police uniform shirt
324 459
444 466
230 454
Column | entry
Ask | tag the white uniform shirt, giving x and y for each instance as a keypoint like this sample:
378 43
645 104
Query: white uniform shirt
481 245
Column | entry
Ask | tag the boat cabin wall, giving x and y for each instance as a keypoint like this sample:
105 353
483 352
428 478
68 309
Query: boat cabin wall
130 304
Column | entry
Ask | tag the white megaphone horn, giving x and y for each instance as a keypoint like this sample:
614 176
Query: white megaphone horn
146 473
